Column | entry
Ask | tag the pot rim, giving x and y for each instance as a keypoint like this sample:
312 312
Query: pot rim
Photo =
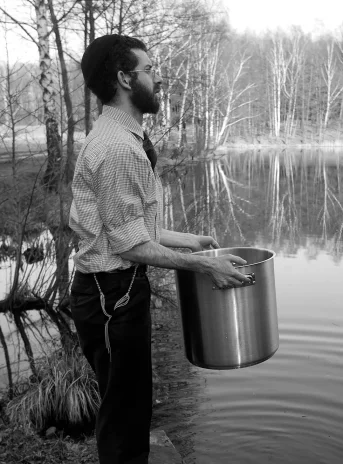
273 254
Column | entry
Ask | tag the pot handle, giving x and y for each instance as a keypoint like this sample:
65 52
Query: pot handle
252 281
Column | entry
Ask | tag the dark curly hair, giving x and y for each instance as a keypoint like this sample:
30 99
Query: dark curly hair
102 60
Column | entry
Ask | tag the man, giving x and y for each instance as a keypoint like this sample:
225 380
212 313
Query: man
117 212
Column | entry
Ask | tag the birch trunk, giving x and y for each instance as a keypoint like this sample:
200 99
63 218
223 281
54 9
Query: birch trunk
182 130
67 172
168 95
207 122
53 138
276 62
334 85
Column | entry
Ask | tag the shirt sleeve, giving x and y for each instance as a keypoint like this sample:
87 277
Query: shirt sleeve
121 183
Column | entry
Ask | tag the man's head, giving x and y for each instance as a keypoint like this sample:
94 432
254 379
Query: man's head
115 64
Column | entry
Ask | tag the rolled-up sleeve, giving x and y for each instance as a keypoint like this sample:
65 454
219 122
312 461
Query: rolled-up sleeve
121 184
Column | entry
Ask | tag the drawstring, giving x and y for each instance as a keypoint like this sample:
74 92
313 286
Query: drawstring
122 302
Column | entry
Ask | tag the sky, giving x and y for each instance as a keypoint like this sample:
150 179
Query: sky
315 16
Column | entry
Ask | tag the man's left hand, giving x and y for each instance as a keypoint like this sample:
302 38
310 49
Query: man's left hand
203 242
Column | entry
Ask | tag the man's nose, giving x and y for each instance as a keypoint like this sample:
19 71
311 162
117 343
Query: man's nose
158 78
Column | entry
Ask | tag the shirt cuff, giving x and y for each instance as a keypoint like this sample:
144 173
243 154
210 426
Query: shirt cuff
128 235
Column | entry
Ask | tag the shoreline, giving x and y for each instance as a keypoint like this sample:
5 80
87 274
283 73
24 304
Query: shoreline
277 146
17 446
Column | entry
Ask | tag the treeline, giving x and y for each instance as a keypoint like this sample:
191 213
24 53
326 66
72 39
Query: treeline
219 83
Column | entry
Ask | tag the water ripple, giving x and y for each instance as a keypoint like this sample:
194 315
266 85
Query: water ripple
285 410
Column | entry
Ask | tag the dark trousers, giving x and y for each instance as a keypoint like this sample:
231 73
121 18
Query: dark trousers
125 383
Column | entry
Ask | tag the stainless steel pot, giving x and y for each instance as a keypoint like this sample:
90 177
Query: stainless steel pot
232 328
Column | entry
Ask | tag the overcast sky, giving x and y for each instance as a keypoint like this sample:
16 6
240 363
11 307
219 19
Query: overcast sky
257 15
260 15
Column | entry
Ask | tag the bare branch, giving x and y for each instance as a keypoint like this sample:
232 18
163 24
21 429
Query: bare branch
20 24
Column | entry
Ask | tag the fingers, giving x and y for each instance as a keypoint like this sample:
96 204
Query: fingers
208 243
235 282
215 244
232 279
230 283
241 277
236 259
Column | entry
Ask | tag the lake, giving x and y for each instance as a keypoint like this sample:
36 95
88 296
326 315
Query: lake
288 409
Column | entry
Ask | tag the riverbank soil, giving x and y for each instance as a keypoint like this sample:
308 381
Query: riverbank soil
19 447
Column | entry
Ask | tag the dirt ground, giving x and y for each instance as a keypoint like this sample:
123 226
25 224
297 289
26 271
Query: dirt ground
18 447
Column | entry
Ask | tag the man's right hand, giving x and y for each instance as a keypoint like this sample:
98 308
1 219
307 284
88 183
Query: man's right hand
224 275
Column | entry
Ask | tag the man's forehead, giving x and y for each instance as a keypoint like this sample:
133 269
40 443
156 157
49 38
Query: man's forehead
142 56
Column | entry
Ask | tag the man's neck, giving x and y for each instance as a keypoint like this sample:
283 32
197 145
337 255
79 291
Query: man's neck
128 108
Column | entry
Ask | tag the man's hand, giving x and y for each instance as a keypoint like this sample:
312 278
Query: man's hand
202 242
224 275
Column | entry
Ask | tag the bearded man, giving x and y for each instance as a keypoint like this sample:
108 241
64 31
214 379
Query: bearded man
117 215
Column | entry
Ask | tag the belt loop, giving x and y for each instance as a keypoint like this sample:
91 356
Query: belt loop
122 302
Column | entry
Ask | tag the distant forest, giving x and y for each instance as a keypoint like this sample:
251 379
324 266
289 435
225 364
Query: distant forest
222 85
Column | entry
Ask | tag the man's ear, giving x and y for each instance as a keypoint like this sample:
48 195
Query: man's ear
123 80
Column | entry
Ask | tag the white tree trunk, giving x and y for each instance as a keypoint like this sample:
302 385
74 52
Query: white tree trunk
182 120
52 173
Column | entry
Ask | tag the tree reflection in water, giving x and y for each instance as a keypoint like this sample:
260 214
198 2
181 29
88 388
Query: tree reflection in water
288 201
282 196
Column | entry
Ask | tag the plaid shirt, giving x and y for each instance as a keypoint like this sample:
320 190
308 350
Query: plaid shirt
117 197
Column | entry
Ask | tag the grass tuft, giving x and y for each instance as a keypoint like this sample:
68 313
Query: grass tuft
66 397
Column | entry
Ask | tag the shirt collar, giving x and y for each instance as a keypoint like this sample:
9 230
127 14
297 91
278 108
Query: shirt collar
124 119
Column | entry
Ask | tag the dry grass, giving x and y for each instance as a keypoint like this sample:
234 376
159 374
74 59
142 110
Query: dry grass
66 397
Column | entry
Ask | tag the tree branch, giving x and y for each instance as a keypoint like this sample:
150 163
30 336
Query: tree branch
20 24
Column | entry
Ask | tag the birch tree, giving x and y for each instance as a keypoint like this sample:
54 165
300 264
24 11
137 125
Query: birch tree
233 97
333 81
53 138
66 172
278 69
182 120
293 73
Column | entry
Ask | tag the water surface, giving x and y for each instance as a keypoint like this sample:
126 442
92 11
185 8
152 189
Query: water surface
288 409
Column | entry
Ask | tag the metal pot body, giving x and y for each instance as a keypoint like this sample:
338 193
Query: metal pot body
232 328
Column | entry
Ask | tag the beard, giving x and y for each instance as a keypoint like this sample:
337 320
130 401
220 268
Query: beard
144 99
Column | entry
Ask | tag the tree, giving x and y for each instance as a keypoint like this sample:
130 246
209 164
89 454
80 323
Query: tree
52 173
234 94
332 78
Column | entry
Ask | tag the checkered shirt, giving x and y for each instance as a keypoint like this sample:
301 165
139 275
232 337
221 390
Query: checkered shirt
117 197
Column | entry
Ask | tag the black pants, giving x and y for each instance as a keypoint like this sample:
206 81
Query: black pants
125 383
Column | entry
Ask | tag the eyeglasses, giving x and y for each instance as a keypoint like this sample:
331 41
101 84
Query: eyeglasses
151 71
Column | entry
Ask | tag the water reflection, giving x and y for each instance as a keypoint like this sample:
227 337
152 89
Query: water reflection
280 196
288 409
